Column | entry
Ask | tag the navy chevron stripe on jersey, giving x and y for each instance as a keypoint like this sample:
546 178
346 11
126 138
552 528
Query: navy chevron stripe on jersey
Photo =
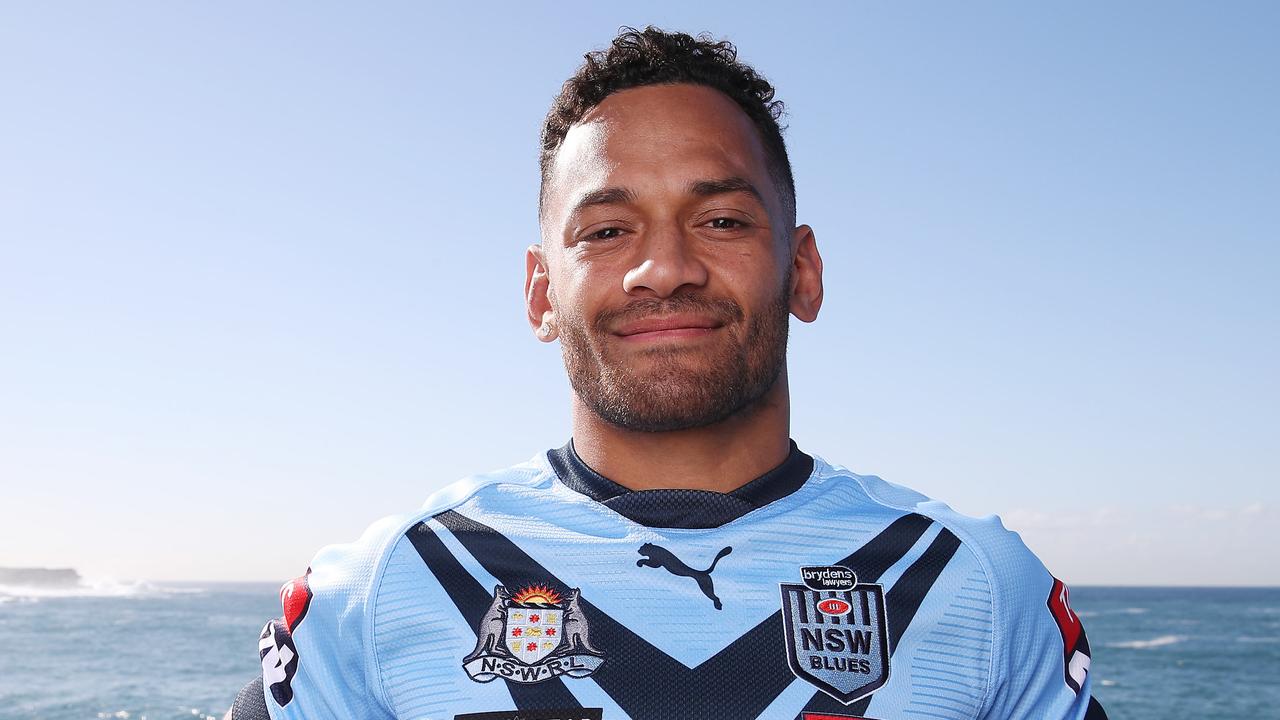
710 689
901 604
472 600
904 598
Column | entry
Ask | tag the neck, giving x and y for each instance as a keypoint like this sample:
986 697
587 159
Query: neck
720 457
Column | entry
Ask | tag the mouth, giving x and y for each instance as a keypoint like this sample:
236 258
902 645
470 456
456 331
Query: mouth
668 327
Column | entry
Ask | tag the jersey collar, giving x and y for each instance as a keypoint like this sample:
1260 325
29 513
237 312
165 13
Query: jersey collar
686 509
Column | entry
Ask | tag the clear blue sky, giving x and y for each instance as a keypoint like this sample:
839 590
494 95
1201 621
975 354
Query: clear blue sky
261 265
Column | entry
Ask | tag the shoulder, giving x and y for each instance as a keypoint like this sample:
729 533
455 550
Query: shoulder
1040 656
533 472
1012 569
352 569
329 612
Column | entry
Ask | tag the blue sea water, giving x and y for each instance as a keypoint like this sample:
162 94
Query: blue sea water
130 652
1184 652
140 652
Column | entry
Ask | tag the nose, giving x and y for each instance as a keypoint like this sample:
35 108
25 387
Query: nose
667 261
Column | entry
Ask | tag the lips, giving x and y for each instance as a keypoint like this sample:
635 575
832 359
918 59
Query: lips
667 326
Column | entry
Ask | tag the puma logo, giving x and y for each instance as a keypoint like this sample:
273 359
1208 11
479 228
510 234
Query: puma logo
656 556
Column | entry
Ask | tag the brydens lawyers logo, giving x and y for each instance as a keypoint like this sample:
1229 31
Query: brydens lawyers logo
836 633
275 645
828 577
532 635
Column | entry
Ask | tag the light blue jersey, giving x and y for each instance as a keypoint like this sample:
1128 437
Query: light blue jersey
545 591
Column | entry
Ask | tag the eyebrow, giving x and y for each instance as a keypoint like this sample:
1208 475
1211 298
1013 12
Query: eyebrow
702 188
721 186
604 196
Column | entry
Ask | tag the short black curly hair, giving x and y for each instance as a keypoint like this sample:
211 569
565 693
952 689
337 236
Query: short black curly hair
652 56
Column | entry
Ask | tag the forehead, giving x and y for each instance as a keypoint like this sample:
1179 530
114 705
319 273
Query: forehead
652 139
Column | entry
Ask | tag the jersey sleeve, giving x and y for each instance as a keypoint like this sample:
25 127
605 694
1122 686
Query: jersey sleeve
318 661
1042 655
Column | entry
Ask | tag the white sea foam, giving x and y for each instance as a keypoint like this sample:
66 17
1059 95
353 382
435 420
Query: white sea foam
126 715
1117 611
1256 639
1147 644
90 588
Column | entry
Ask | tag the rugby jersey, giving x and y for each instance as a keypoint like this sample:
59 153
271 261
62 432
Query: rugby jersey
546 591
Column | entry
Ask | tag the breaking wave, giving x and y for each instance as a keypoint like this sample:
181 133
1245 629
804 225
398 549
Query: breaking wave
1255 639
89 588
195 714
1148 644
1116 611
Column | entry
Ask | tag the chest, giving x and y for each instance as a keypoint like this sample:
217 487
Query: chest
847 619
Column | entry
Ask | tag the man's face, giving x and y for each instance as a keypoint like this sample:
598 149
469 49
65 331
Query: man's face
663 272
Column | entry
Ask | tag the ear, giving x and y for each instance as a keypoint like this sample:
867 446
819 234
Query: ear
537 294
806 275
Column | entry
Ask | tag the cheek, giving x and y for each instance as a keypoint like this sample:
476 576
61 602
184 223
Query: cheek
574 300
586 288
758 260
756 282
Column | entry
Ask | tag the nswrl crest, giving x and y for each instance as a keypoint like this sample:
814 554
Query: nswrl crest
836 633
531 636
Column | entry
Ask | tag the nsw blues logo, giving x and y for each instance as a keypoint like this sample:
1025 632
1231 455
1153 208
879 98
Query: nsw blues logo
836 633
531 636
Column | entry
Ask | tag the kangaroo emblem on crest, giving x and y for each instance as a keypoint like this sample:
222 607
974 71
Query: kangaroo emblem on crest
534 634
656 556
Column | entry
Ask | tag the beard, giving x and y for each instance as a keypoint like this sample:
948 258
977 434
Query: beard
677 388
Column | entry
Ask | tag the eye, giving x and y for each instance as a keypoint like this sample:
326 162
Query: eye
604 234
726 223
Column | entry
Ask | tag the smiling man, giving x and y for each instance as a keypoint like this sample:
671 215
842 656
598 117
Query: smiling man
680 556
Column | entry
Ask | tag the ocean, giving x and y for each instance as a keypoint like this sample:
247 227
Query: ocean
170 652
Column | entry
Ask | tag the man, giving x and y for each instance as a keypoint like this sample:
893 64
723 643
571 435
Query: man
680 557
